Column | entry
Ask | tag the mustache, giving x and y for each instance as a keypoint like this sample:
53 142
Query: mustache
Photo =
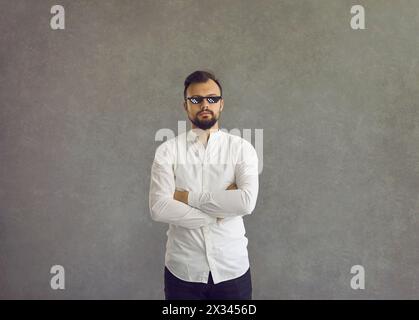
206 112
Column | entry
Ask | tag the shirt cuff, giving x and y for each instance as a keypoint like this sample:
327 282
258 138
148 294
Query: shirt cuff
211 220
193 199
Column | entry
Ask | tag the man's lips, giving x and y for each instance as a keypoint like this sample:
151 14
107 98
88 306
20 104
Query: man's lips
204 113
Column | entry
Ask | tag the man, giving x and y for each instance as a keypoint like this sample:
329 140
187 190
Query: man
202 183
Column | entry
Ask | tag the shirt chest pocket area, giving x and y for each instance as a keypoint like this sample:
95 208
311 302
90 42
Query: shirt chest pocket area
186 177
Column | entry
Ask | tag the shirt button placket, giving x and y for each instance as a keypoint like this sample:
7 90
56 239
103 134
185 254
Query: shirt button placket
206 229
208 247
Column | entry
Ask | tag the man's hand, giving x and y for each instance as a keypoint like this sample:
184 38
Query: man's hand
232 186
181 196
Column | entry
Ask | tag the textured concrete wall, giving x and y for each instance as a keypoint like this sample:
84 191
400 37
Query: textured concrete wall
80 107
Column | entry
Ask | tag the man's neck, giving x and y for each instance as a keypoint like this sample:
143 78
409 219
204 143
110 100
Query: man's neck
205 134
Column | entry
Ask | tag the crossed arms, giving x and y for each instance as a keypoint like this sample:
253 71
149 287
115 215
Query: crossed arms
184 195
197 209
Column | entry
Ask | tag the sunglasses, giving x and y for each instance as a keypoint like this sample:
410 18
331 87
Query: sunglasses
197 100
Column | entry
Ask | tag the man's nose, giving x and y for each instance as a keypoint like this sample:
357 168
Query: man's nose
204 104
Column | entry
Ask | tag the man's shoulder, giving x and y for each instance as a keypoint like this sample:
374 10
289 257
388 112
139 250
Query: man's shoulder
171 142
236 140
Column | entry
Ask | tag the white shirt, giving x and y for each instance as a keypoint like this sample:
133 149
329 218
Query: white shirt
196 242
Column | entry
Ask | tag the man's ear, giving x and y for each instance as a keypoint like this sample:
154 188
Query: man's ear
185 106
222 105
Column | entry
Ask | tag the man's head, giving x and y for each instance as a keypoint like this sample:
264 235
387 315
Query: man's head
203 113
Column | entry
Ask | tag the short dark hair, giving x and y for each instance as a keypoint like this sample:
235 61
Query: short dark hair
200 77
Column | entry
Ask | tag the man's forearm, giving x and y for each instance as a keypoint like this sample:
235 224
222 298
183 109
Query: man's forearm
223 203
226 208
183 196
176 213
227 203
162 206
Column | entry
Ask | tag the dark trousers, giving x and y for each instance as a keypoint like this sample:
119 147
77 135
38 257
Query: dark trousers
235 289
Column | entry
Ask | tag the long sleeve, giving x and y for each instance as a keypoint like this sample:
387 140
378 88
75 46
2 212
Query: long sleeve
163 207
230 203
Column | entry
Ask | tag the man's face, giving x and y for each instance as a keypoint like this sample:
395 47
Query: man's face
203 115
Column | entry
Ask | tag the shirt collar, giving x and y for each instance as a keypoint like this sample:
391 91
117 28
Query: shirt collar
193 134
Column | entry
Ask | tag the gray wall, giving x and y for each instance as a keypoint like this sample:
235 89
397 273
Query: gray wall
80 107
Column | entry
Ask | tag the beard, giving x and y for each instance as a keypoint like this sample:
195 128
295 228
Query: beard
205 123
